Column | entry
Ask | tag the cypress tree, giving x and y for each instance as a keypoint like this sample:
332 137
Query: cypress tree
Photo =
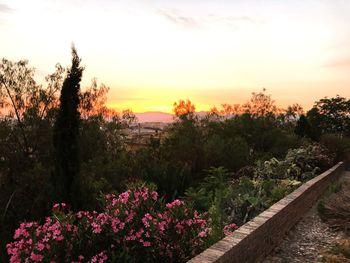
66 134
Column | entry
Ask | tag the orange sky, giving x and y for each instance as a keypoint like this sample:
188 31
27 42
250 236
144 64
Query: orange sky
152 53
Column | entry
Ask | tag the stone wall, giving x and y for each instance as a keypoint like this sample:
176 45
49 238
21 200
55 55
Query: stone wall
253 241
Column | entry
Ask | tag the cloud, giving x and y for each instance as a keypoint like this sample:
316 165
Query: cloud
176 17
340 62
5 8
232 22
234 19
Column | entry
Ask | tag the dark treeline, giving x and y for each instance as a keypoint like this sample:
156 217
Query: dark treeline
59 143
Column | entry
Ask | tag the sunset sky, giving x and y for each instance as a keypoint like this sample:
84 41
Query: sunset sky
152 53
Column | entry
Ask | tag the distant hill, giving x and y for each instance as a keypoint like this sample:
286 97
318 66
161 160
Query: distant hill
154 116
201 114
158 116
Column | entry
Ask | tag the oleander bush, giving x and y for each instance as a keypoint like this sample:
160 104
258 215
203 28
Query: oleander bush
135 226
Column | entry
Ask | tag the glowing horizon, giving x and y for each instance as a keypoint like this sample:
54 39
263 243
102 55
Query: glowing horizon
152 53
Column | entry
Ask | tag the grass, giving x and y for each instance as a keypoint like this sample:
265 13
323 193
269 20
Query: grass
339 253
334 209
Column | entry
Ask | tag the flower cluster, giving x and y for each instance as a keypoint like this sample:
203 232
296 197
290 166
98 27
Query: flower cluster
36 241
229 229
135 226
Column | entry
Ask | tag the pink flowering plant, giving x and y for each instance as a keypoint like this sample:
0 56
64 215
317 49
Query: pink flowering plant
135 226
229 229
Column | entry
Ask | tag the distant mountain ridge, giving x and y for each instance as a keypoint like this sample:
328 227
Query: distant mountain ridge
154 116
158 116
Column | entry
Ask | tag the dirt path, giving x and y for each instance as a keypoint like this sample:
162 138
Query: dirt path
307 239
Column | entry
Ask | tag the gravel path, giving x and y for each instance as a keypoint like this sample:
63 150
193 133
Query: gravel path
306 240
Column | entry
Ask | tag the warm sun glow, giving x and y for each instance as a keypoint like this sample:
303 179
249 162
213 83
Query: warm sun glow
152 53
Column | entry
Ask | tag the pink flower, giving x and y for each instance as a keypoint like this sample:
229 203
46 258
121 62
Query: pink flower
202 234
130 217
59 238
161 225
36 257
176 202
115 225
138 235
68 227
179 228
40 246
99 258
154 195
189 222
144 195
229 229
96 228
145 222
124 197
21 231
59 206
148 216
146 244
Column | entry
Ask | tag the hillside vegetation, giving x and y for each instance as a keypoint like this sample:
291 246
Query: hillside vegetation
72 190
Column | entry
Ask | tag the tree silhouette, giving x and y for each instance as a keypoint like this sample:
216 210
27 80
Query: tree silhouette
184 109
303 128
335 113
66 133
260 105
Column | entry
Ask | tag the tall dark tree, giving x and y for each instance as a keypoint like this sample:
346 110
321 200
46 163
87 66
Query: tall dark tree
66 135
303 128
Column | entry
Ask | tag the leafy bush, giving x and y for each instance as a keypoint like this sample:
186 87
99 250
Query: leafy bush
254 189
212 195
135 226
274 179
299 164
310 157
247 171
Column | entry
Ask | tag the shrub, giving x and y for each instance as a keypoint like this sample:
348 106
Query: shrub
135 226
247 171
254 189
212 195
300 164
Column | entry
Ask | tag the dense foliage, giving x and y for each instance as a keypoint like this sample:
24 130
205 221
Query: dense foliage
230 200
230 164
